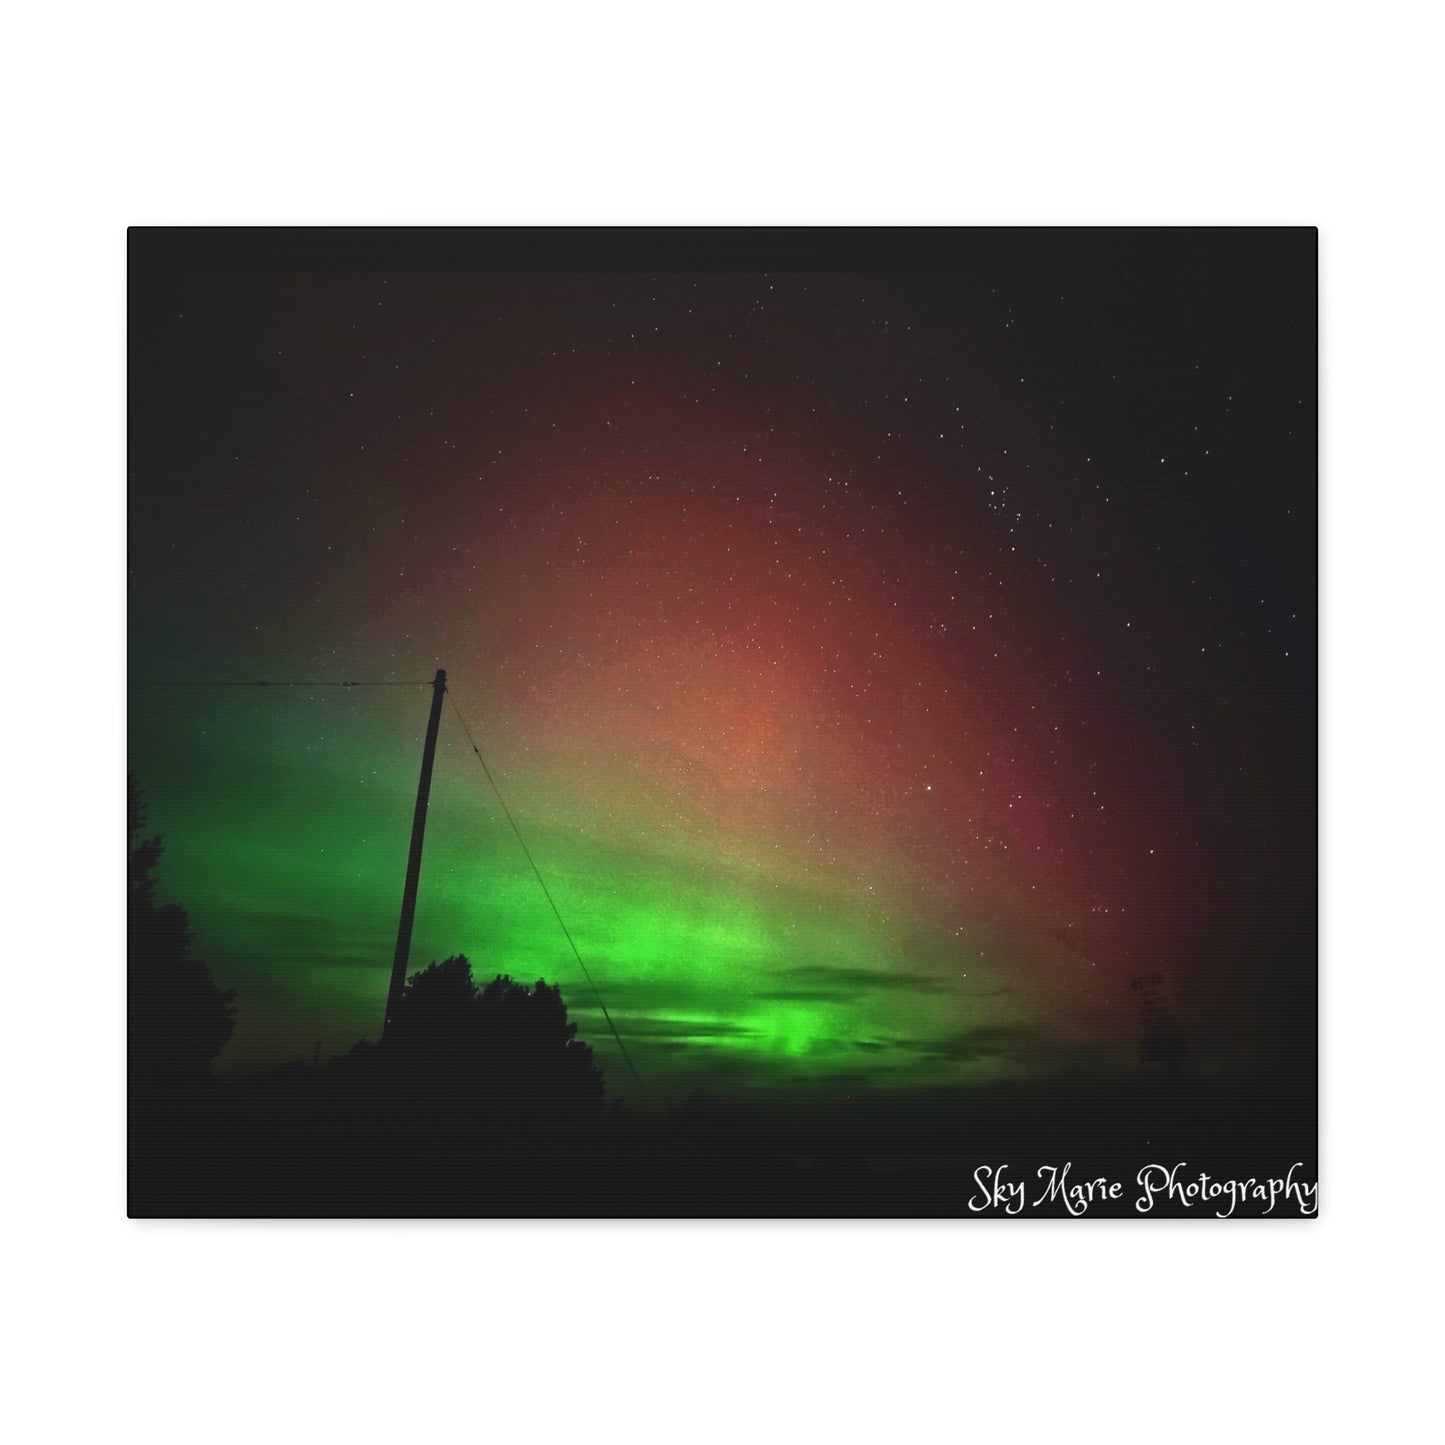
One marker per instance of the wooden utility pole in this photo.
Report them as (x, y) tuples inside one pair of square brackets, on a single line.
[(413, 862)]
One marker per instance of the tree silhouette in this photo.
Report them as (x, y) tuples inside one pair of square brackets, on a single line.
[(505, 1053), (178, 1018)]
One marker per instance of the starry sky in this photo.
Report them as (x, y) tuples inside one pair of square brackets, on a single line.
[(889, 644)]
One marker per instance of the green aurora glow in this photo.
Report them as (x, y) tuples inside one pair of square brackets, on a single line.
[(710, 968)]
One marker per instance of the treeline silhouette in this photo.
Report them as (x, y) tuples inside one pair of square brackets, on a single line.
[(177, 1018)]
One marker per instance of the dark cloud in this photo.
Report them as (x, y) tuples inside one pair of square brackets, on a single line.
[(814, 980), (647, 996), (806, 995), (970, 1045), (665, 1028), (304, 937)]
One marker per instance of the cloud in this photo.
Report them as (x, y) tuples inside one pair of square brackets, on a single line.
[(806, 995), (969, 1046), (826, 983), (640, 1000), (666, 1028)]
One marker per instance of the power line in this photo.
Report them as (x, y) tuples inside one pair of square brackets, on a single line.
[(548, 894)]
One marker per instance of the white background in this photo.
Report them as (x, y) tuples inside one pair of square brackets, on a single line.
[(751, 113)]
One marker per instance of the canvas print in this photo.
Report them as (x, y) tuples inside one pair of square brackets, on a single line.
[(722, 723)]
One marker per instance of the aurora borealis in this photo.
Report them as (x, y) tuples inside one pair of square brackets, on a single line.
[(884, 665)]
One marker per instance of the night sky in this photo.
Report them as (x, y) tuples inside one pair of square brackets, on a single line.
[(889, 644)]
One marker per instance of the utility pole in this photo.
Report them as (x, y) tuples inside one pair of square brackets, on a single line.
[(413, 862)]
